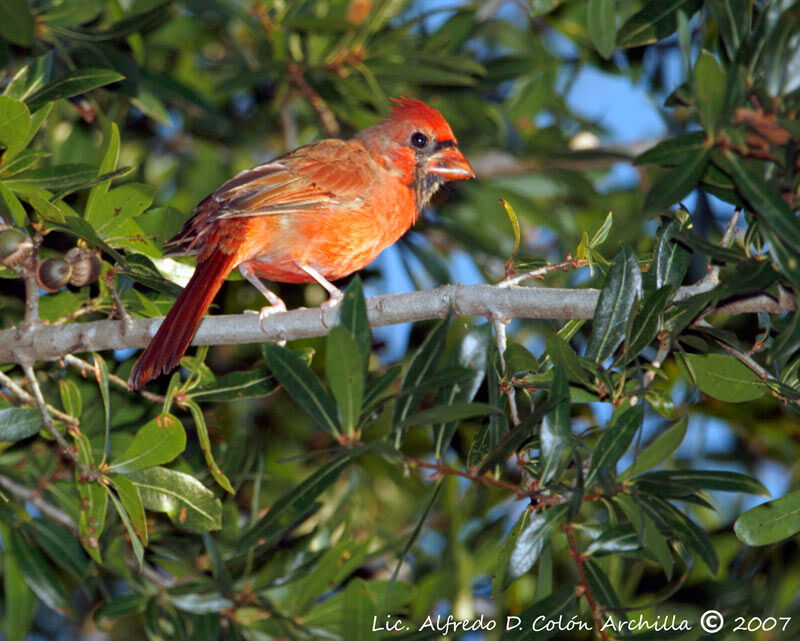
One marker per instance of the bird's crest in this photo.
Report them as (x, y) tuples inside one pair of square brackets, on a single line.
[(417, 111)]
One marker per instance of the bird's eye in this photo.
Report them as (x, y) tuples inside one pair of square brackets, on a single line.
[(419, 140)]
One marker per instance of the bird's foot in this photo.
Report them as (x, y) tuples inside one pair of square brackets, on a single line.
[(270, 310), (333, 301)]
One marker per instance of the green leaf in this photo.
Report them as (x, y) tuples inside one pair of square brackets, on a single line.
[(720, 481), (205, 445), (353, 316), (17, 423), (15, 121), (556, 431), (446, 413), (563, 356), (30, 77), (654, 541), (73, 83), (71, 399), (709, 91), (92, 518), (601, 21), (600, 586), (65, 550), (345, 373), (424, 363), (614, 539), (671, 259), (157, 442), (689, 533), (125, 27), (236, 385), (124, 516), (108, 164), (677, 182), (151, 106), (10, 207), (770, 522), (519, 361), (501, 578), (623, 285), (767, 203), (37, 572), (648, 322), (674, 151), (132, 502), (545, 610), (512, 216), (285, 512), (16, 22), (187, 502), (532, 540), (723, 377), (122, 606), (616, 439), (732, 18), (302, 385), (658, 451), (656, 20), (19, 598)]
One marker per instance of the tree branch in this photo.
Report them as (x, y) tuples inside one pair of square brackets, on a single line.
[(46, 342)]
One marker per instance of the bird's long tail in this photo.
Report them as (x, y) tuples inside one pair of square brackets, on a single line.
[(176, 332)]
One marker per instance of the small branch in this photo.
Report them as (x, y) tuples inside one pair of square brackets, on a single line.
[(579, 559), (26, 398), (326, 117), (541, 272), (35, 498), (31, 286), (57, 515), (664, 348), (53, 342), (451, 471), (62, 443), (88, 369)]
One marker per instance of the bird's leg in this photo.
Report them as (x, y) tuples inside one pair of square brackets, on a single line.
[(276, 305), (336, 294)]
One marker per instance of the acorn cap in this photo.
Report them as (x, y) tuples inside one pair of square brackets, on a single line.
[(85, 266), (15, 246)]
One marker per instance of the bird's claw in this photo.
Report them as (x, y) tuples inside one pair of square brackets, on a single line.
[(265, 312), (332, 302)]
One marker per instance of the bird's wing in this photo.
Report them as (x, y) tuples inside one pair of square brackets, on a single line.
[(316, 177)]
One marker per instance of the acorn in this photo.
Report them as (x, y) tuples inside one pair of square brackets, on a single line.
[(85, 266), (15, 246), (52, 274)]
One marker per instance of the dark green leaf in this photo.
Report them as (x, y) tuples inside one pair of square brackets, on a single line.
[(658, 451), (556, 431), (724, 378), (656, 20), (545, 610), (344, 368), (302, 385), (562, 355), (73, 83), (233, 386), (501, 578), (671, 259), (648, 321), (446, 413), (674, 151), (616, 440), (601, 587), (16, 22), (712, 250), (19, 617), (519, 361), (17, 423), (37, 572), (677, 182), (613, 539), (689, 533), (353, 316), (709, 90), (708, 480), (732, 18), (601, 21), (623, 285), (122, 606), (532, 540), (205, 445), (132, 503), (769, 205), (118, 30), (770, 522), (31, 77), (92, 517), (62, 548), (286, 510)]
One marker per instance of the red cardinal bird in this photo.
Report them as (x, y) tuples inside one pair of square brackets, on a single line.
[(319, 213)]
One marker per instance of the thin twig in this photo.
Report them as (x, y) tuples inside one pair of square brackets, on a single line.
[(326, 117), (26, 398), (575, 553), (541, 272), (47, 420), (31, 286), (451, 471), (499, 323), (87, 368)]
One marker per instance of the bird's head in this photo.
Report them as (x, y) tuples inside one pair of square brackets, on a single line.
[(417, 144)]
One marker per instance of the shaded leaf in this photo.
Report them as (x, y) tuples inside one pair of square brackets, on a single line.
[(17, 423), (556, 431), (723, 377), (73, 83), (616, 439), (658, 451), (770, 522), (345, 373), (157, 442), (601, 21)]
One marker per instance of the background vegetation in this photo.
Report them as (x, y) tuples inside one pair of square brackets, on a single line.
[(590, 469)]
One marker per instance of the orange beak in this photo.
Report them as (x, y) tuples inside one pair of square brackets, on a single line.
[(450, 164)]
